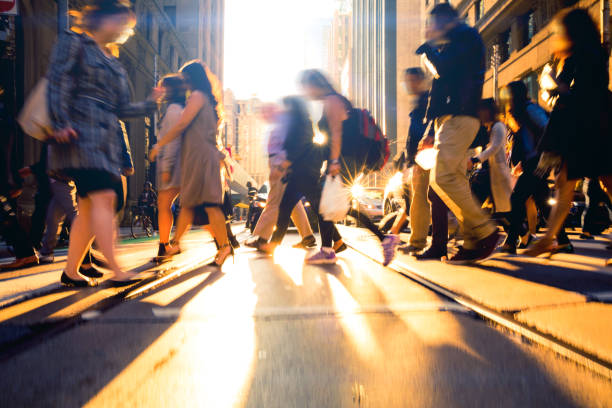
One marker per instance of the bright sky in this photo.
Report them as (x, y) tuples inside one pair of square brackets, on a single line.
[(268, 42)]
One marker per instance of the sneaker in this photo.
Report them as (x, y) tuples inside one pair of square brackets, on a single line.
[(389, 245), (20, 263), (587, 236), (563, 249), (431, 253), (340, 247), (46, 258), (323, 257), (308, 242), (410, 249)]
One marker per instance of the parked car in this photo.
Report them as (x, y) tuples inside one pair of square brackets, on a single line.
[(368, 201)]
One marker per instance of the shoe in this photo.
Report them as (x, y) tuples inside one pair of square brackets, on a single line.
[(340, 246), (431, 253), (255, 242), (508, 249), (46, 259), (120, 284), (389, 245), (563, 249), (234, 242), (586, 236), (323, 257), (609, 247), (99, 262), (487, 246), (66, 280), (20, 263), (90, 272), (463, 257), (222, 256), (529, 241), (165, 252), (308, 242), (539, 247), (410, 249)]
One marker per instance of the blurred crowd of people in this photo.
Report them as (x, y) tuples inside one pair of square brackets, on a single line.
[(495, 151)]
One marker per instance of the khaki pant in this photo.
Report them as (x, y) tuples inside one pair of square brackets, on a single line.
[(454, 135), (267, 220), (420, 210)]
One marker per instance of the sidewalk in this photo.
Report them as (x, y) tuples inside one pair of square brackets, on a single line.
[(568, 297)]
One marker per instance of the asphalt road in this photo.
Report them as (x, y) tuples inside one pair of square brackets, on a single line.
[(274, 333)]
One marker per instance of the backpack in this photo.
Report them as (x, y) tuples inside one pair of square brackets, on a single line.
[(371, 145)]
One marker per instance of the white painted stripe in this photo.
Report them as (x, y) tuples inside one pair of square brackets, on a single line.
[(396, 308)]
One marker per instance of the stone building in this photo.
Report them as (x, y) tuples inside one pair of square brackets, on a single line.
[(522, 30), (168, 33)]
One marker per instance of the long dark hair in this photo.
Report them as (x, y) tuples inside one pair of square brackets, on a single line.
[(517, 97), (299, 116), (175, 89), (201, 78), (490, 106), (316, 79), (581, 30)]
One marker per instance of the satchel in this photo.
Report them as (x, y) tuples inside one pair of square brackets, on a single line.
[(34, 117)]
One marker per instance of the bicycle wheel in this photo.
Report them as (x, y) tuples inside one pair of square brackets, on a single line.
[(136, 227), (147, 226)]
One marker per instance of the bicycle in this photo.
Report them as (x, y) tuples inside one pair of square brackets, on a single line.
[(141, 223)]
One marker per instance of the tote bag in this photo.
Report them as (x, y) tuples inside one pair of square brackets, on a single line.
[(34, 116)]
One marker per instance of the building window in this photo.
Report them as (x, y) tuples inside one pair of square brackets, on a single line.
[(478, 9), (505, 45), (531, 26), (171, 12)]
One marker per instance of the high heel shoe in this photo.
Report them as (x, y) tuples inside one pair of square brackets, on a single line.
[(539, 247), (224, 252)]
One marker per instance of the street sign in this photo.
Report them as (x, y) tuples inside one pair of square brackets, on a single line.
[(8, 7)]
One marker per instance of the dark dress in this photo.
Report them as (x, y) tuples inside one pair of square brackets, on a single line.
[(579, 126)]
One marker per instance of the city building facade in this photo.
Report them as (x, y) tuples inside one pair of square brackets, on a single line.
[(521, 30), (168, 33)]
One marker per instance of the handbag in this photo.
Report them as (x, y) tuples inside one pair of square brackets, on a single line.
[(34, 117), (335, 200)]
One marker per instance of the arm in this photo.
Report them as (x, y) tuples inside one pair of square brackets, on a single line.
[(496, 142), (126, 152), (446, 62), (130, 110), (194, 105), (62, 66), (173, 115), (336, 114)]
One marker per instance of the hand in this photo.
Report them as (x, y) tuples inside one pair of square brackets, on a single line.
[(157, 93), (548, 161), (426, 142), (128, 171), (333, 169), (517, 170), (64, 136), (25, 172), (154, 152)]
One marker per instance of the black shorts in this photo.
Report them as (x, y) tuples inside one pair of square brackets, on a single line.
[(91, 180)]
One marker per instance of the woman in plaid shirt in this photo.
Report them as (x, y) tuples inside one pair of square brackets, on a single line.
[(87, 95)]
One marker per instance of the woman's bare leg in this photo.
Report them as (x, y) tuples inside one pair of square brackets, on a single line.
[(185, 219), (103, 226), (165, 218), (217, 225), (80, 238), (564, 194)]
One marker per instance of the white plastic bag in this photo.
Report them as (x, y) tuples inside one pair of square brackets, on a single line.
[(335, 200)]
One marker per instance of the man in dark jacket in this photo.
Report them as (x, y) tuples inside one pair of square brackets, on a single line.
[(455, 55)]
